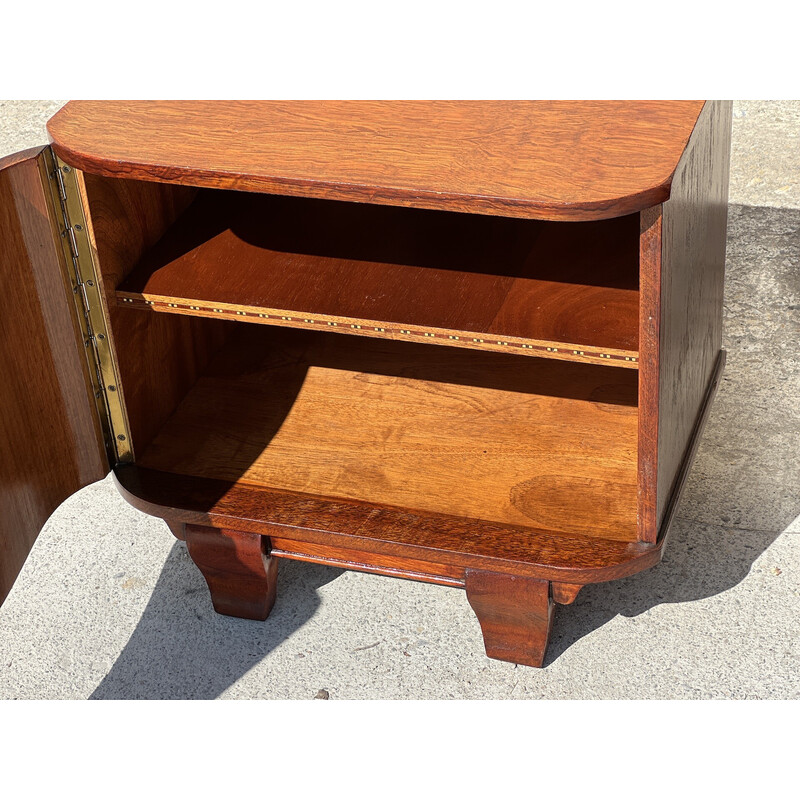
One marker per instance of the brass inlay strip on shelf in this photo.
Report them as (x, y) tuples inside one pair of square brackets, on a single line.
[(569, 352)]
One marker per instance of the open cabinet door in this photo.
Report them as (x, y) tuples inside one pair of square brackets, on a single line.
[(51, 442)]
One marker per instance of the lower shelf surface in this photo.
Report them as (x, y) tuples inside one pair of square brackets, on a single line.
[(504, 439)]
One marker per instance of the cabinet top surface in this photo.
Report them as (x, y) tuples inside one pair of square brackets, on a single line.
[(561, 160)]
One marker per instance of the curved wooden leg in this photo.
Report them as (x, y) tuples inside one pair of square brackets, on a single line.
[(515, 614), (177, 529), (565, 593), (238, 570)]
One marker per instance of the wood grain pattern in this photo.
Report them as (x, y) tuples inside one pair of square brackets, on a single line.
[(564, 160), (333, 525), (50, 440), (393, 566), (565, 593), (158, 357), (241, 575), (493, 437), (692, 274), (12, 159), (691, 448), (515, 614), (650, 343), (562, 290)]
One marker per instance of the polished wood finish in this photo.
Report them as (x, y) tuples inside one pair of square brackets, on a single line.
[(565, 593), (22, 157), (559, 290), (364, 560), (50, 440), (692, 273), (543, 160), (649, 337), (178, 529), (396, 542), (682, 268), (241, 575), (515, 615), (591, 234), (691, 448), (158, 357), (485, 436), (400, 535)]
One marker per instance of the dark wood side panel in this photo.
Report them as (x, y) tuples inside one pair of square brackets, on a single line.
[(50, 442), (159, 356), (692, 270)]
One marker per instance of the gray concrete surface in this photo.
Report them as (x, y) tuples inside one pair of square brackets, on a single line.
[(109, 605)]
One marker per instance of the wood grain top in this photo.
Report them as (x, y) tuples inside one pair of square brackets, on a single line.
[(559, 160)]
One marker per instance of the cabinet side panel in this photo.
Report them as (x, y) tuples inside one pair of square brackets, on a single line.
[(650, 232), (50, 441), (159, 356), (693, 267)]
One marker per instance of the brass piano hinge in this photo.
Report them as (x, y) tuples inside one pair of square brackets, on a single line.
[(82, 268)]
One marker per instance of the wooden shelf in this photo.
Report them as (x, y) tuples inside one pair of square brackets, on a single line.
[(538, 444), (558, 290)]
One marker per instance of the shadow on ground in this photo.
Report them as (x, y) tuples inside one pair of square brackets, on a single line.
[(700, 561), (182, 649)]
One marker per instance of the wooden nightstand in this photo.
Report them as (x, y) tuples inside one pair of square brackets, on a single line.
[(470, 343)]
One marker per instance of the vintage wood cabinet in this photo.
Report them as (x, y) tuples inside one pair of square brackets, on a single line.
[(471, 343)]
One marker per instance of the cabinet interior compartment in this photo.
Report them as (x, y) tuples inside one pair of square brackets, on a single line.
[(564, 290), (505, 442), (501, 438)]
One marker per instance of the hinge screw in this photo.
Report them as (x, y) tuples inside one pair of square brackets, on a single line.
[(112, 388), (66, 169), (121, 437), (100, 336), (90, 283), (77, 227)]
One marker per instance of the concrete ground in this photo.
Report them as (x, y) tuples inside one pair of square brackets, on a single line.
[(109, 605)]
